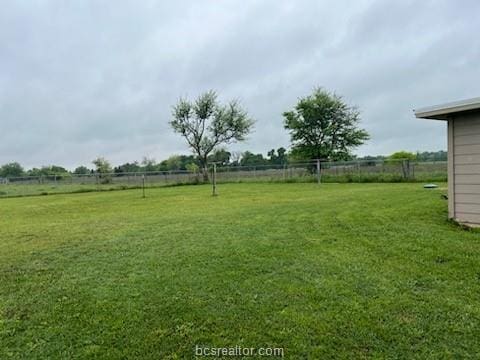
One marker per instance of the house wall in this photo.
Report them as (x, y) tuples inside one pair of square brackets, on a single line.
[(464, 168)]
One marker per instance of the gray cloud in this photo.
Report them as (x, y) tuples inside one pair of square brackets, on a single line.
[(82, 79)]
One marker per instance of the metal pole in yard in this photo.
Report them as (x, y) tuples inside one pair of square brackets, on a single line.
[(143, 185), (318, 171), (214, 180)]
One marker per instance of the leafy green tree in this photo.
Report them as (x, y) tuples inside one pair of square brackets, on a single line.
[(163, 165), (127, 168), (220, 156), (280, 157), (272, 156), (370, 160), (206, 124), (432, 156), (102, 165), (149, 164), (402, 159), (57, 169), (81, 170), (49, 171), (13, 169), (402, 155), (103, 169), (251, 159), (192, 167), (323, 126), (174, 162), (34, 172), (186, 160)]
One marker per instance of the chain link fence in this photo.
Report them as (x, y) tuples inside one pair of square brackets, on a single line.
[(346, 171), (314, 171)]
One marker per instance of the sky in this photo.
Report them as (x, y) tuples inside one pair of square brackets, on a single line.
[(82, 79)]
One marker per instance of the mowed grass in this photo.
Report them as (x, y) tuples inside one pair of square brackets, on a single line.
[(14, 190), (329, 271)]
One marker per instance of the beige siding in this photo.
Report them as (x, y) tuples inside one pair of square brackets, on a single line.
[(467, 124), (467, 208), (470, 139), (468, 198), (462, 129), (467, 218), (464, 184), (467, 189), (466, 159), (462, 169), (471, 179), (451, 172), (471, 149)]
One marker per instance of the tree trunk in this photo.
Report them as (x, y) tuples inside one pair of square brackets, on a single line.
[(204, 167), (205, 173)]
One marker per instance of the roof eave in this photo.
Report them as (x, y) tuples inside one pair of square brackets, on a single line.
[(431, 115), (446, 111)]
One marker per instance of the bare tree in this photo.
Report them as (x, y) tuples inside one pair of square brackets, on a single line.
[(205, 124)]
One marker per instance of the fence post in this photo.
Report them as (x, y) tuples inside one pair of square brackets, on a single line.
[(214, 179), (143, 185), (406, 169), (318, 171)]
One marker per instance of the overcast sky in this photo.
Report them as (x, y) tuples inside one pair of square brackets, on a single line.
[(81, 79)]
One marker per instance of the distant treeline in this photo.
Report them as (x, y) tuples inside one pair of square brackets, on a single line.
[(425, 156), (189, 162)]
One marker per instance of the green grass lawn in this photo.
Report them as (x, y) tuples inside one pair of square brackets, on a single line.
[(336, 270)]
